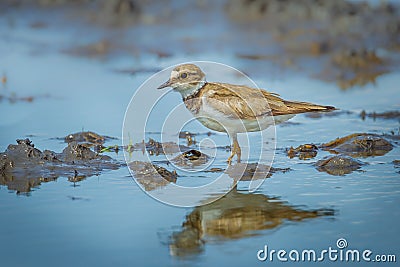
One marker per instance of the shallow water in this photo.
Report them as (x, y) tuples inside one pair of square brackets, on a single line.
[(108, 220)]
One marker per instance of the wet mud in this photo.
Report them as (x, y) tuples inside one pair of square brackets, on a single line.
[(338, 165), (306, 151), (346, 149), (155, 148), (23, 166), (151, 176), (359, 145), (86, 137), (191, 158)]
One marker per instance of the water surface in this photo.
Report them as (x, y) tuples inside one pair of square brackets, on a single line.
[(107, 219)]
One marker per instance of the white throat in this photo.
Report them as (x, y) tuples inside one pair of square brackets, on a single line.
[(187, 91)]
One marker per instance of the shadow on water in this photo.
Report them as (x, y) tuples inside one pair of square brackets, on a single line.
[(234, 216)]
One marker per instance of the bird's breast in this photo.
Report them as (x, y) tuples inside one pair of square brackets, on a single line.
[(193, 105)]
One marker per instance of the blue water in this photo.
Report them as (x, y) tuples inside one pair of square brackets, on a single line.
[(108, 220)]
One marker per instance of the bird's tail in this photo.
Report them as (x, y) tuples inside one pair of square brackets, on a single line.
[(301, 107)]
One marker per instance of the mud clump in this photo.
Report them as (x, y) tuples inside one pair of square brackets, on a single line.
[(306, 151), (191, 158), (338, 165), (23, 166), (89, 137), (75, 151), (155, 148), (359, 145), (92, 139), (152, 176)]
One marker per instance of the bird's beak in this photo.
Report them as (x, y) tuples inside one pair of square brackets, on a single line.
[(166, 84)]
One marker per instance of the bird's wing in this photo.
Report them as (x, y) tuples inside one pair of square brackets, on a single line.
[(248, 103), (239, 101)]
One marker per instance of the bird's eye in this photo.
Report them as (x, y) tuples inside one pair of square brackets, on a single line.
[(184, 75)]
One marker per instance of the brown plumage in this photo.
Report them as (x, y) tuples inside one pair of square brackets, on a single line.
[(233, 108), (248, 103)]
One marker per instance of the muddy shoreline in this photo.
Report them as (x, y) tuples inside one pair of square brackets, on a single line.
[(23, 166)]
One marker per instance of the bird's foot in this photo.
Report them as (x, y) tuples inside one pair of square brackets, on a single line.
[(229, 160)]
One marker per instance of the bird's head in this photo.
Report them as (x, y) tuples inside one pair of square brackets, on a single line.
[(187, 79)]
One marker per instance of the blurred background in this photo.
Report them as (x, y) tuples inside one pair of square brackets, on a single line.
[(68, 66)]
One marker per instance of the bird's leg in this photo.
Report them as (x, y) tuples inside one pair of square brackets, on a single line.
[(232, 149), (238, 150), (235, 149)]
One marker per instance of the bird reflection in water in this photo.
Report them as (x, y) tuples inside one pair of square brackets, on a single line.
[(235, 216)]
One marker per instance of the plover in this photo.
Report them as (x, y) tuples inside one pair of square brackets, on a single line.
[(232, 108)]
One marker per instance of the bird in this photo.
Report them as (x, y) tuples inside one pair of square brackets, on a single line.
[(231, 108)]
